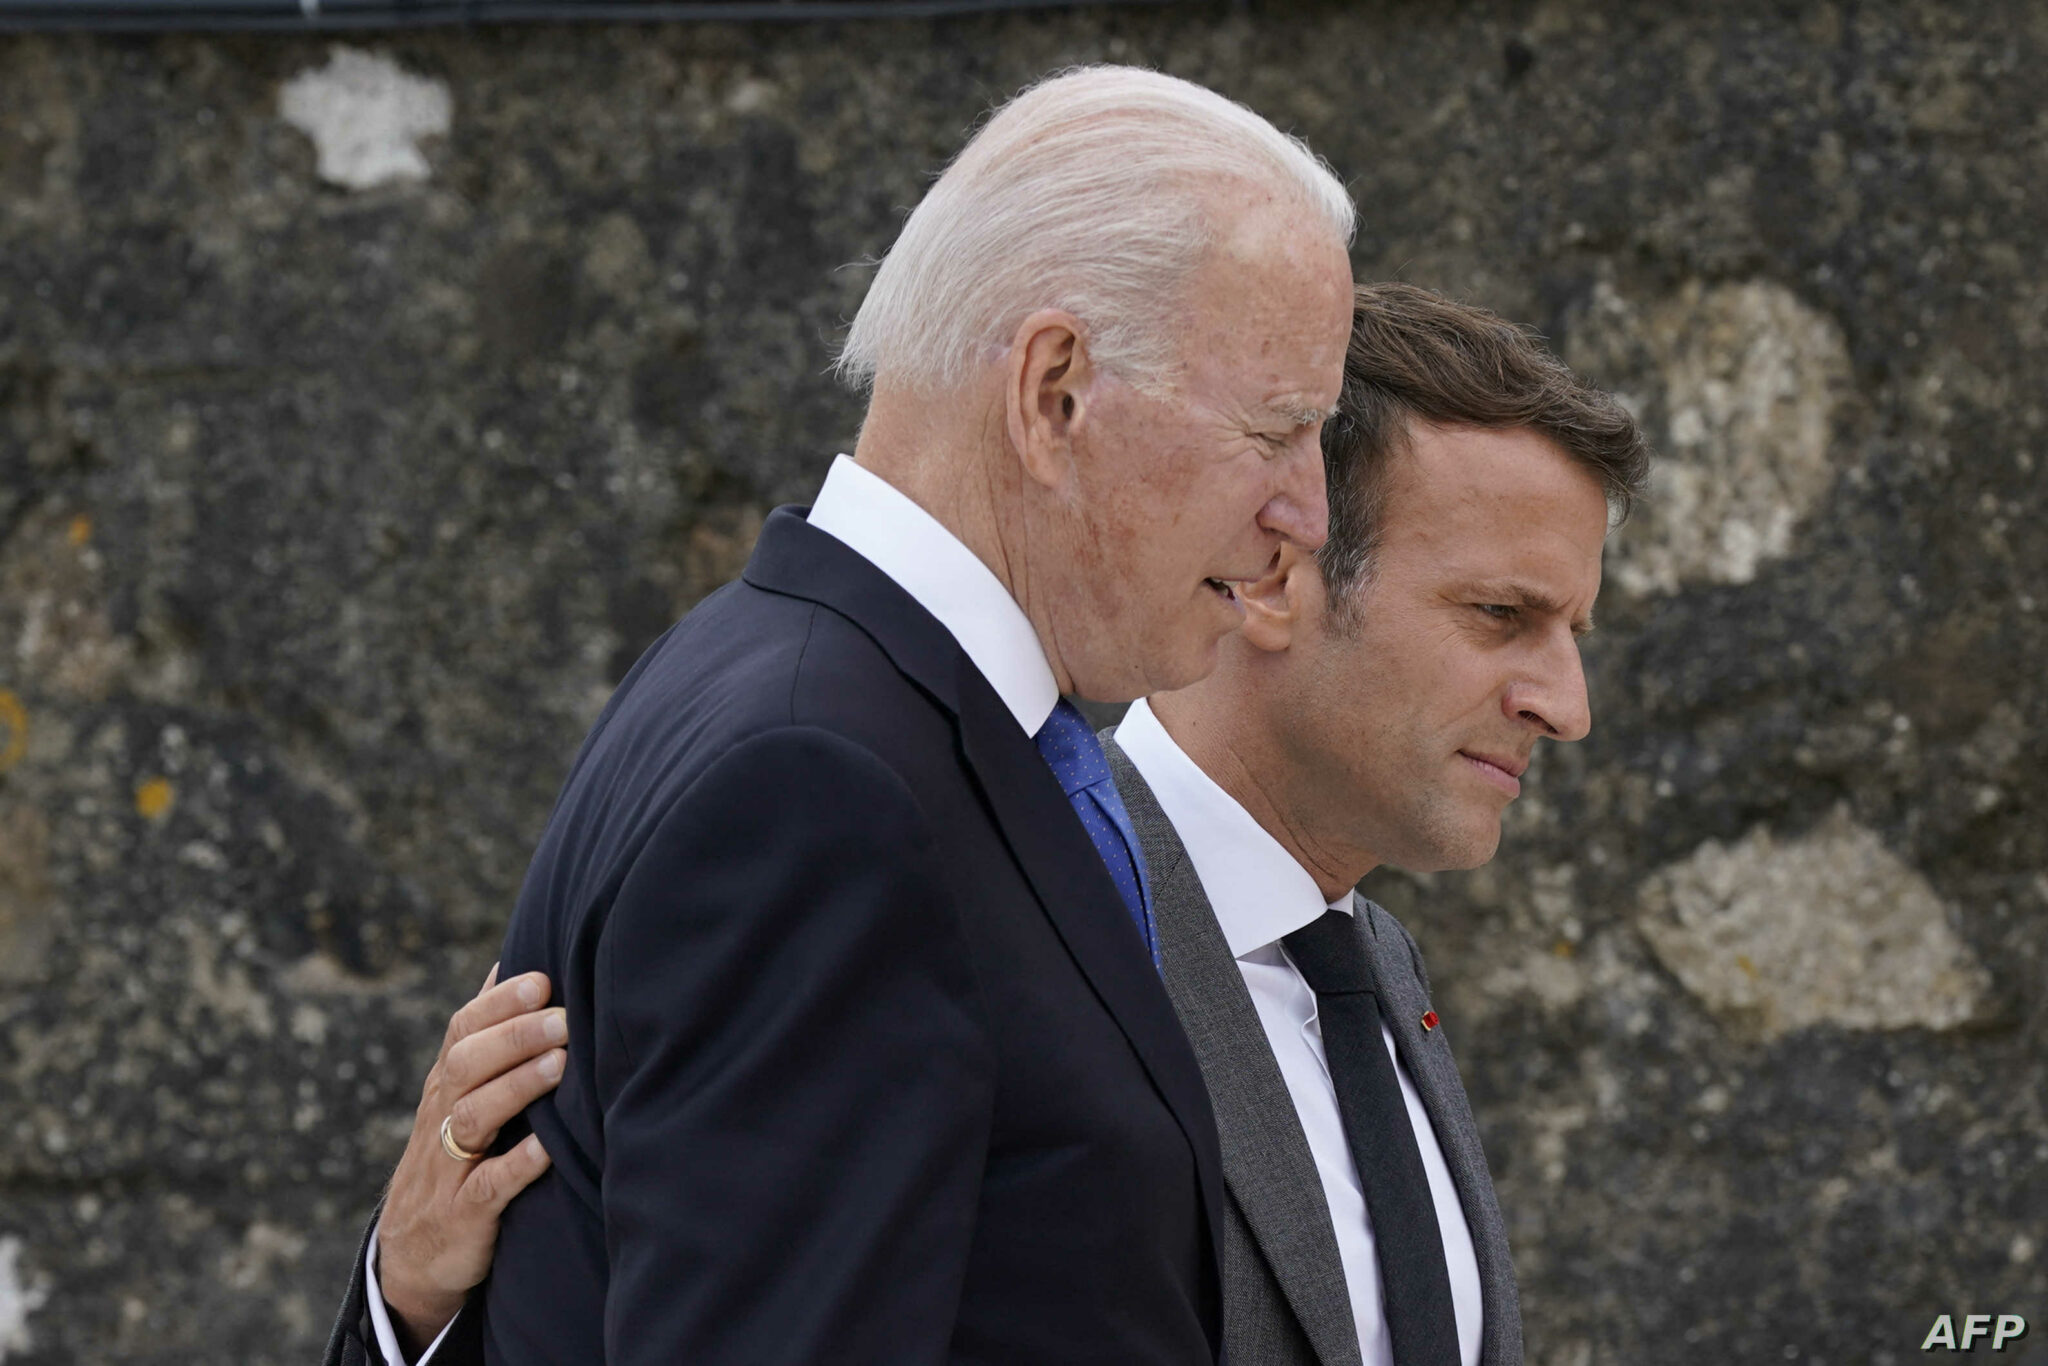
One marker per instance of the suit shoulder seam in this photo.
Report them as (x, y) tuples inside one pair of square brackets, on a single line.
[(796, 674)]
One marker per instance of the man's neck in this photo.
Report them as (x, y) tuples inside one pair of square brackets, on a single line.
[(1219, 742), (946, 468)]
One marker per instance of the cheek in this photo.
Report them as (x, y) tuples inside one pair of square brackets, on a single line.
[(1170, 452), (1389, 695), (1473, 685), (1128, 476), (1348, 695), (1205, 512), (1159, 528)]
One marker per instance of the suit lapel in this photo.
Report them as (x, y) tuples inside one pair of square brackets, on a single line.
[(1428, 1058), (1082, 902), (1073, 887), (792, 559), (1266, 1160)]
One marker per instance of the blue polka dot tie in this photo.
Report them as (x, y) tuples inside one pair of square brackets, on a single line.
[(1075, 755)]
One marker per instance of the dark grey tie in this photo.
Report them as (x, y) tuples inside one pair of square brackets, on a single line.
[(1420, 1317)]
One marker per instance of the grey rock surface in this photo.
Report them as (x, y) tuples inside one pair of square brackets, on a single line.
[(364, 413)]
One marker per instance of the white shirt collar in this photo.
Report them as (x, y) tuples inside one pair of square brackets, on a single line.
[(1258, 891), (881, 524)]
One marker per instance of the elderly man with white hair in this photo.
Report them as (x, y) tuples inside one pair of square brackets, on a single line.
[(868, 1055)]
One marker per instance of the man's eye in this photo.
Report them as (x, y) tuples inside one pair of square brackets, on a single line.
[(1499, 611)]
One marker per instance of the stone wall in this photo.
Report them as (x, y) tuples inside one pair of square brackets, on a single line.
[(365, 410)]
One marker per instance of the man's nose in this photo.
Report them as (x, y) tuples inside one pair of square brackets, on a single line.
[(1552, 695), (1299, 510)]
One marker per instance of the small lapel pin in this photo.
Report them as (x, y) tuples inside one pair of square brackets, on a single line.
[(1428, 1020)]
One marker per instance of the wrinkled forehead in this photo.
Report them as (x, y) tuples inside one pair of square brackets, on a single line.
[(1478, 501)]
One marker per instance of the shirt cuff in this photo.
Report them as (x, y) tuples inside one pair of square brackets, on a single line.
[(380, 1317)]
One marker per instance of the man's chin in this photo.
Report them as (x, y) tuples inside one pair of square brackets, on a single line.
[(1480, 848), (1131, 679), (1189, 665), (1454, 851)]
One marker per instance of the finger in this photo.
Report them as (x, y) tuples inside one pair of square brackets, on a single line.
[(489, 981), (528, 991), (478, 1115), (490, 1052), (492, 1184)]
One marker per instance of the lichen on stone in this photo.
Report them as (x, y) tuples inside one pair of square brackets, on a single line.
[(1831, 927), (366, 115)]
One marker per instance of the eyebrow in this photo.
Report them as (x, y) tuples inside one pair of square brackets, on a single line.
[(1530, 600), (1299, 413)]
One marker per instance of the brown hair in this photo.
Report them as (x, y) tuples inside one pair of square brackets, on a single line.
[(1416, 355)]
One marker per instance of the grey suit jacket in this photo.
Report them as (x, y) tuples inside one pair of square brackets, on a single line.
[(1284, 1298)]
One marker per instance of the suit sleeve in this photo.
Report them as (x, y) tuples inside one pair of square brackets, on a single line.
[(355, 1340), (352, 1343), (795, 1079), (457, 1344)]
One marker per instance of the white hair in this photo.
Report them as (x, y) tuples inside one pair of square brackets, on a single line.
[(1092, 191)]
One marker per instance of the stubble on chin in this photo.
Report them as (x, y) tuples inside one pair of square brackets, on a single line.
[(1452, 835)]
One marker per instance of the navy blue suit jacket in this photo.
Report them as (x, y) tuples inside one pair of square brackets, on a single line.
[(867, 1063)]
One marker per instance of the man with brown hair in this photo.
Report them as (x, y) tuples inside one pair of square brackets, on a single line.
[(1379, 706)]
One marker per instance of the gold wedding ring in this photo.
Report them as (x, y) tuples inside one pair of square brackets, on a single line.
[(451, 1147)]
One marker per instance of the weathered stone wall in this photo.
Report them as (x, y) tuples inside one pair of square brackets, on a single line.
[(363, 414)]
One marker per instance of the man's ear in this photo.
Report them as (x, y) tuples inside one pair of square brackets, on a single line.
[(1276, 603), (1045, 392)]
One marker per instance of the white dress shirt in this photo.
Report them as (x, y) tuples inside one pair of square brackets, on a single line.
[(1260, 894), (948, 580)]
